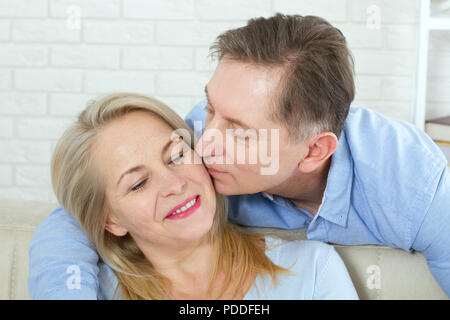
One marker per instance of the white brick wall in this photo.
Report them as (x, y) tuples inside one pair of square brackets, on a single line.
[(159, 10), (85, 56), (5, 79), (23, 8), (51, 63), (45, 30), (119, 32)]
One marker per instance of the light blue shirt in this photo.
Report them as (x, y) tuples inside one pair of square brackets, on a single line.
[(388, 184), (318, 273)]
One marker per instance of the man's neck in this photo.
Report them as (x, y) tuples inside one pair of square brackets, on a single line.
[(305, 190)]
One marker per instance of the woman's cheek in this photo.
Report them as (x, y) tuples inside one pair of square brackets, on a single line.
[(139, 211), (205, 177)]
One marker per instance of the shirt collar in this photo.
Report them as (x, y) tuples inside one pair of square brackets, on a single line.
[(267, 195), (336, 200)]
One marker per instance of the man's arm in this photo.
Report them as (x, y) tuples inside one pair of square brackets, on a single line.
[(433, 237), (63, 261)]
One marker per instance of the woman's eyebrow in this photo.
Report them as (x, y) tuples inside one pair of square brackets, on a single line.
[(141, 166), (131, 170)]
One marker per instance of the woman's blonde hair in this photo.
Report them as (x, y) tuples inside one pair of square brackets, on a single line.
[(80, 191)]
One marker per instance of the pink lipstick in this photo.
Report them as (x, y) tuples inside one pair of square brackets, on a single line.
[(184, 209)]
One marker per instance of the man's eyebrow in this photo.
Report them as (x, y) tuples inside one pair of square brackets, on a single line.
[(141, 166), (236, 121), (167, 145), (206, 92)]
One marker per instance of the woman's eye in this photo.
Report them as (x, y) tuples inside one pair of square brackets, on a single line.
[(139, 186)]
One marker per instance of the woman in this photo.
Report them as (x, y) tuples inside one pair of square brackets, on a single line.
[(147, 203)]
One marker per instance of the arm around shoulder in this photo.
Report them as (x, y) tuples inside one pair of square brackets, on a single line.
[(63, 262)]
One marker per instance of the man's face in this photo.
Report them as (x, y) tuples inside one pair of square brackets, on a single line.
[(244, 150)]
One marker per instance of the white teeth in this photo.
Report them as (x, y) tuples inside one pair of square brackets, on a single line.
[(186, 206)]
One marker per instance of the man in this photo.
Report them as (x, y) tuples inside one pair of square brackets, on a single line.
[(350, 176)]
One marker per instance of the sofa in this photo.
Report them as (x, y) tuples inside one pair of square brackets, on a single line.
[(377, 272)]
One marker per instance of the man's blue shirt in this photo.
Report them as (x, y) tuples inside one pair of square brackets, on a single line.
[(388, 184)]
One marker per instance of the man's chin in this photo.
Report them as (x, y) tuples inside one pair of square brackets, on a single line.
[(231, 190), (226, 189), (223, 189)]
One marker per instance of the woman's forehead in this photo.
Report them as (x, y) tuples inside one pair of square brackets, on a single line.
[(135, 125), (133, 134)]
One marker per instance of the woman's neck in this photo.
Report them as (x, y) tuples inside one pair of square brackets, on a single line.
[(188, 267), (188, 270)]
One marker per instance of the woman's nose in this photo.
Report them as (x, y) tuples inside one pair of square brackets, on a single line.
[(172, 184)]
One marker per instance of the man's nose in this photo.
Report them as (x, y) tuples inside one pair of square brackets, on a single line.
[(211, 142)]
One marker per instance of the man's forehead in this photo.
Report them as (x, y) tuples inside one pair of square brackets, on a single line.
[(245, 81)]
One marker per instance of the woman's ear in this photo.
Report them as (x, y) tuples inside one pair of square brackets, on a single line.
[(320, 149), (114, 227)]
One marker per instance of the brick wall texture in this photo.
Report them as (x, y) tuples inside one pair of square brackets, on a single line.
[(57, 54)]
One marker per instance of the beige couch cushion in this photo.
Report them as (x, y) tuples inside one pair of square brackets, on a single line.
[(18, 219), (377, 272)]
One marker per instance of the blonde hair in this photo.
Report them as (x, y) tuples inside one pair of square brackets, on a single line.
[(80, 192)]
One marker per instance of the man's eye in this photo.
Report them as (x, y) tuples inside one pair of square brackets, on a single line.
[(139, 186), (177, 159), (209, 110), (237, 131)]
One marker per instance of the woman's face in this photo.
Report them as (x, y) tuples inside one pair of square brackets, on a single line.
[(145, 188)]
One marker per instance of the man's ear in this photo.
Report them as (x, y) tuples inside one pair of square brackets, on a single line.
[(114, 227), (321, 148)]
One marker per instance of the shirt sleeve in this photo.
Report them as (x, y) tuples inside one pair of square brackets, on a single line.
[(334, 282), (196, 118), (63, 262), (433, 236)]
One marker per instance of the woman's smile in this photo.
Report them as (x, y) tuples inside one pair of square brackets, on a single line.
[(185, 209)]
